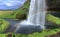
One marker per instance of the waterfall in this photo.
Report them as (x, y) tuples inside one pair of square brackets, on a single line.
[(37, 13)]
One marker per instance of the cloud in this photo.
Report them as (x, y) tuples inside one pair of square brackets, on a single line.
[(13, 3)]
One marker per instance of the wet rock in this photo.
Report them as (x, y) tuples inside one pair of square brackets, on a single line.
[(53, 5), (21, 16), (28, 29), (56, 14)]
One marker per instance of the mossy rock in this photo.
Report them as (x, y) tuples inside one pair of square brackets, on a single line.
[(21, 16)]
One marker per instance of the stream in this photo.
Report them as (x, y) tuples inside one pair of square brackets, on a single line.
[(13, 25)]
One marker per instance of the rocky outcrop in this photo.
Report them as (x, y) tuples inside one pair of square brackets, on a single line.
[(53, 5)]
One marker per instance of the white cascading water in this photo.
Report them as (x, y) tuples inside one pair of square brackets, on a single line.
[(36, 14)]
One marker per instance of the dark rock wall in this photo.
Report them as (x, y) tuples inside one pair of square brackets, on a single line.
[(53, 5)]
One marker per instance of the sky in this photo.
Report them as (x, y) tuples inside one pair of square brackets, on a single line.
[(11, 4)]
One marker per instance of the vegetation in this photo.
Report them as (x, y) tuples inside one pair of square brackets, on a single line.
[(15, 13), (3, 25), (53, 19), (2, 35)]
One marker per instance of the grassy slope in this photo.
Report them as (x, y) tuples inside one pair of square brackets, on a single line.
[(23, 10), (5, 14), (53, 19), (12, 14), (3, 25), (2, 35)]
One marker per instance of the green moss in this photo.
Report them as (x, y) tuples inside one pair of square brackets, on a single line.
[(53, 19)]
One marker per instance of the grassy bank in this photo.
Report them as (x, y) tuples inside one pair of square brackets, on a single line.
[(3, 25), (53, 19)]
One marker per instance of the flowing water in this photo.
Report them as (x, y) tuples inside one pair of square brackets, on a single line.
[(36, 14)]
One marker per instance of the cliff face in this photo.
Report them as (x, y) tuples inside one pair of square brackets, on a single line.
[(53, 4)]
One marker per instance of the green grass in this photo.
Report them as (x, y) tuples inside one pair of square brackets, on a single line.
[(53, 19), (3, 25), (2, 35), (5, 14)]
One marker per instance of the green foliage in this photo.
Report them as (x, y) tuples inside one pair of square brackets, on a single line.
[(3, 25)]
